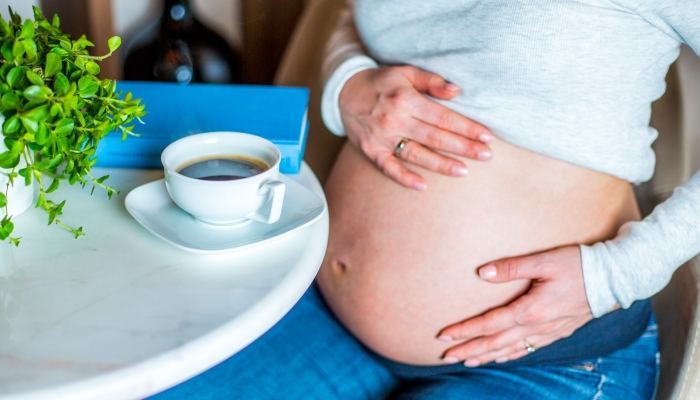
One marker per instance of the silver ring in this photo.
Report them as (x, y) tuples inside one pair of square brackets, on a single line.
[(400, 146), (530, 348)]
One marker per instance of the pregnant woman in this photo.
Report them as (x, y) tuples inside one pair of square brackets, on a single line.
[(480, 131)]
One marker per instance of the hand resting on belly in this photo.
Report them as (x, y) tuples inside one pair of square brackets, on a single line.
[(380, 107)]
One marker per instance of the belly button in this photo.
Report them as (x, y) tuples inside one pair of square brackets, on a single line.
[(338, 266)]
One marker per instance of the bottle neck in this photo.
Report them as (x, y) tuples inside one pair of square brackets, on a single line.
[(177, 16)]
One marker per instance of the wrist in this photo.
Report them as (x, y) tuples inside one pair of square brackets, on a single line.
[(330, 101)]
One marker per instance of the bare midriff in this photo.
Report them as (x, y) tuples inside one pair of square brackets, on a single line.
[(401, 264)]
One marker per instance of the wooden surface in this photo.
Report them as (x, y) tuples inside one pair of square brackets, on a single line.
[(92, 18), (267, 27)]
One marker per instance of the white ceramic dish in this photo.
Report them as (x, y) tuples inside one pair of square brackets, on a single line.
[(153, 208)]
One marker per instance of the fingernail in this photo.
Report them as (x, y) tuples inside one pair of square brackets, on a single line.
[(488, 272), (501, 360), (451, 87), (485, 155), (450, 360), (458, 170), (485, 138), (445, 338), (472, 362), (420, 186)]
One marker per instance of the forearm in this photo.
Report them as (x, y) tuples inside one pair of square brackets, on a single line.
[(640, 261)]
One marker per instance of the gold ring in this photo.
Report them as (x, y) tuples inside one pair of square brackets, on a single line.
[(530, 348), (400, 146)]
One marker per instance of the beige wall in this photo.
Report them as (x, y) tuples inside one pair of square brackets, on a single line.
[(23, 7)]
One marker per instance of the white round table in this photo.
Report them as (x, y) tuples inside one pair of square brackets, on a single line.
[(119, 313)]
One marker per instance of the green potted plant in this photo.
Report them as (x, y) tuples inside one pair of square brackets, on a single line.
[(56, 110)]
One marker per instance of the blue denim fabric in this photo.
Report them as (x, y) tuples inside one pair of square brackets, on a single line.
[(309, 355)]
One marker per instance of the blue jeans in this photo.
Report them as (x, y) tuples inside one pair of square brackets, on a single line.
[(310, 355)]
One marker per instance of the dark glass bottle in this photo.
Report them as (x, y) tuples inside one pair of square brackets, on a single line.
[(182, 49)]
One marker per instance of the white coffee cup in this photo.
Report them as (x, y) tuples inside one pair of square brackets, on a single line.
[(225, 202)]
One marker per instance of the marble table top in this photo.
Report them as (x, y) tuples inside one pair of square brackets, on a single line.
[(119, 313)]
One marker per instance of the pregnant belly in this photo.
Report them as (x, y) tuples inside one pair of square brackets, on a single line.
[(401, 264)]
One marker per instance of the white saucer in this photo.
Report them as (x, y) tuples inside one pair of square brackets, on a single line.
[(153, 208)]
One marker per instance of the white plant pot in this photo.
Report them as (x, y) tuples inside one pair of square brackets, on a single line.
[(19, 196)]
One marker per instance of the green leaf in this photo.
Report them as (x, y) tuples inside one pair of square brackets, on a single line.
[(29, 124), (15, 18), (80, 117), (37, 13), (43, 164), (53, 187), (6, 230), (14, 77), (54, 65), (56, 23), (82, 43), (9, 142), (87, 87), (42, 197), (37, 94), (4, 69), (92, 68), (64, 127), (17, 147), (3, 200), (18, 49), (61, 84), (11, 124), (71, 91), (80, 63), (56, 161), (34, 78), (10, 101), (27, 30), (30, 49), (75, 75), (31, 119), (114, 42), (63, 144), (37, 114), (59, 51), (42, 135), (55, 109), (9, 160), (6, 51), (4, 26)]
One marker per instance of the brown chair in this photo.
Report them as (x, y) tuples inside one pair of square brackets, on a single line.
[(301, 66), (678, 306)]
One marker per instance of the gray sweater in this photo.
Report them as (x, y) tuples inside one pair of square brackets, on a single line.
[(570, 79)]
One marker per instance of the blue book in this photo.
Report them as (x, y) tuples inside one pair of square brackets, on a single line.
[(175, 111)]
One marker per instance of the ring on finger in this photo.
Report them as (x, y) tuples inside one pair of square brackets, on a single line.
[(400, 146), (530, 348)]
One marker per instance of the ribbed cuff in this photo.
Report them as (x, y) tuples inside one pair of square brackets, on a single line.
[(330, 109), (599, 292)]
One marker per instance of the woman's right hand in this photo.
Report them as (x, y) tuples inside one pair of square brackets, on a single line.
[(381, 107)]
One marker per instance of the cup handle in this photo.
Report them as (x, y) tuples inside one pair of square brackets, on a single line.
[(276, 189)]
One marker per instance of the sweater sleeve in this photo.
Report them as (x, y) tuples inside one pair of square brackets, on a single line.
[(344, 57), (640, 261)]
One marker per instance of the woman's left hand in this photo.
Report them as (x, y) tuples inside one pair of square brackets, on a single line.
[(553, 308)]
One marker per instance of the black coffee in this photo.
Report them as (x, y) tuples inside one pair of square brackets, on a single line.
[(223, 168)]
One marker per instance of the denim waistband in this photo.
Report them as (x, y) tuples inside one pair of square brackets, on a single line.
[(599, 337)]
